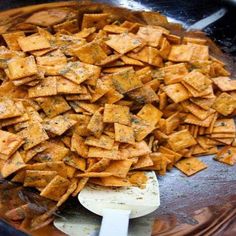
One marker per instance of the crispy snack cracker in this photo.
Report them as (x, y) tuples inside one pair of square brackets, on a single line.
[(190, 166)]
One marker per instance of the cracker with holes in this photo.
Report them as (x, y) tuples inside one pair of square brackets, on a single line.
[(53, 106), (58, 125), (11, 39), (181, 53), (190, 166), (96, 124), (177, 92), (33, 42), (46, 87), (104, 141), (33, 135), (78, 72), (21, 67), (197, 80), (94, 20), (224, 104), (123, 43), (141, 128), (116, 114), (12, 165), (55, 188), (91, 53), (65, 86), (8, 108), (224, 83), (150, 114), (125, 81), (124, 134), (224, 126), (151, 35), (148, 55), (9, 142), (181, 139), (38, 178), (174, 73)]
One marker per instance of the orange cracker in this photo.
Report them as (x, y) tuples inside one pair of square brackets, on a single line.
[(55, 188), (123, 43), (33, 42), (181, 53), (96, 124), (174, 73), (180, 140), (13, 164), (119, 168), (176, 92), (190, 166), (191, 119), (224, 83), (21, 67), (116, 114), (11, 39), (224, 104), (197, 80), (224, 126), (33, 135), (46, 87), (150, 114), (9, 142), (126, 80), (124, 134)]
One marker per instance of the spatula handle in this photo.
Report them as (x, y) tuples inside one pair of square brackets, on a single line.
[(115, 222)]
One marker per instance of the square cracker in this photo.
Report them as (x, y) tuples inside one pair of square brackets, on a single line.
[(38, 178), (224, 104), (141, 127), (9, 142), (91, 53), (174, 73), (177, 92), (11, 39), (119, 168), (150, 34), (150, 114), (123, 43), (190, 166), (33, 135), (181, 53), (56, 188), (78, 72), (65, 86), (8, 108), (149, 55), (96, 124), (33, 42), (13, 164), (200, 52), (103, 141), (94, 20), (125, 81), (78, 145), (116, 114), (124, 134), (21, 67), (46, 87), (197, 80), (181, 139), (191, 119), (53, 106), (58, 125), (224, 126), (224, 83)]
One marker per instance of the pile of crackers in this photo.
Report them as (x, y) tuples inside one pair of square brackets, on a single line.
[(103, 102)]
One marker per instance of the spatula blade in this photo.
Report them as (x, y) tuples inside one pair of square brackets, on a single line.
[(140, 201)]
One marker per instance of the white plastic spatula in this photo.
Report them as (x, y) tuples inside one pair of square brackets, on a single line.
[(118, 205)]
